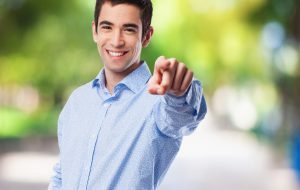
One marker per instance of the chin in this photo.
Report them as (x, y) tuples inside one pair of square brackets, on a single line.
[(116, 69)]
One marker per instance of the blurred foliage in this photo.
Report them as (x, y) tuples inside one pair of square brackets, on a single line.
[(48, 45)]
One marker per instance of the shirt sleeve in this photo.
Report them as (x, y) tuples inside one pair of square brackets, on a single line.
[(180, 116), (56, 179), (56, 182)]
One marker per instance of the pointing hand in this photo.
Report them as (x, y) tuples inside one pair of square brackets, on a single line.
[(170, 76)]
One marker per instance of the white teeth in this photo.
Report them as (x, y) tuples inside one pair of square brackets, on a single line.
[(116, 54)]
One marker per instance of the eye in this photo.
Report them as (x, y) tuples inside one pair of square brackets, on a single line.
[(130, 30), (105, 27)]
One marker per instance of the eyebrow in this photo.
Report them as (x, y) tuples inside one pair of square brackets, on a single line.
[(131, 25), (105, 23)]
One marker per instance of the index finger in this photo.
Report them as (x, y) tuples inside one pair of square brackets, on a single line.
[(161, 64)]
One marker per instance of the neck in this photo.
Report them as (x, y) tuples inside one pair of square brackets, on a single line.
[(112, 81), (113, 78)]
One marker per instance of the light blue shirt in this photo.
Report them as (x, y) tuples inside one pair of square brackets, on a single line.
[(124, 141)]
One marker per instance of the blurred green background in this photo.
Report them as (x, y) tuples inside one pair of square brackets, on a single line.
[(245, 52)]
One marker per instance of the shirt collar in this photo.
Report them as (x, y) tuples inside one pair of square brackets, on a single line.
[(134, 81), (137, 78), (99, 81)]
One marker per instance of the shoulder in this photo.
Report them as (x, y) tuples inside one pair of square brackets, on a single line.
[(83, 90), (81, 93)]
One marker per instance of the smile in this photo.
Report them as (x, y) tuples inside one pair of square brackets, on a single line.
[(116, 53)]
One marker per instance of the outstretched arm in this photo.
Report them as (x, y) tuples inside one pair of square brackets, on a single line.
[(182, 104)]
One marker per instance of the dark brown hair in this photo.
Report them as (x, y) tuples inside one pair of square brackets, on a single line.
[(144, 5)]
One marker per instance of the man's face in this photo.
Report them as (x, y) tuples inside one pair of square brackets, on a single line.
[(119, 38)]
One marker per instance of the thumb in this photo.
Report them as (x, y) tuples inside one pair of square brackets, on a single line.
[(153, 86)]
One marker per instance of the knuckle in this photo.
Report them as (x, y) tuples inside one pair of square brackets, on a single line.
[(182, 65), (183, 89), (161, 57), (172, 59), (189, 73), (164, 84)]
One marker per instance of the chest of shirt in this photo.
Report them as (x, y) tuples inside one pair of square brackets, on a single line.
[(110, 121)]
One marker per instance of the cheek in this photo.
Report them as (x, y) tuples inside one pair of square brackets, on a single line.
[(138, 46), (101, 50), (100, 44), (101, 39)]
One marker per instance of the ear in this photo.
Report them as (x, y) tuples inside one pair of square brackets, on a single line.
[(147, 37), (95, 34)]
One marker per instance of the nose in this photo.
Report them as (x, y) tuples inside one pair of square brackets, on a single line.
[(117, 40)]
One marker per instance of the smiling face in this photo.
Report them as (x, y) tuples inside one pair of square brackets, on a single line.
[(119, 38)]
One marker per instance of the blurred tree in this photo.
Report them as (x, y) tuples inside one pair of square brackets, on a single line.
[(285, 65), (48, 44), (287, 14), (38, 38), (43, 44), (213, 38)]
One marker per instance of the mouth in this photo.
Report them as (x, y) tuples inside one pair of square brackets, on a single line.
[(116, 53)]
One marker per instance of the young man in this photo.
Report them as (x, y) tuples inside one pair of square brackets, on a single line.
[(123, 129)]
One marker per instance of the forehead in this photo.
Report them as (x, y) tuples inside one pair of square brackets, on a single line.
[(120, 13)]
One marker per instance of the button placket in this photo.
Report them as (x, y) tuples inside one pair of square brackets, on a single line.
[(91, 148)]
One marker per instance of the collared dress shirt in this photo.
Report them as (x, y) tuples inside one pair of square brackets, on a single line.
[(125, 140)]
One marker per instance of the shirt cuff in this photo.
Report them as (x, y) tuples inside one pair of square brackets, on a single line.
[(173, 100), (193, 97)]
